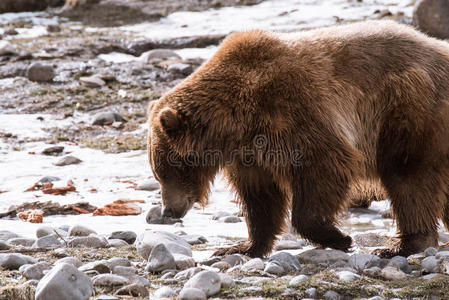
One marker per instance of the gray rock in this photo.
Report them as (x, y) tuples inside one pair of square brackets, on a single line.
[(298, 280), (19, 241), (164, 292), (40, 72), (118, 261), (124, 271), (401, 263), (222, 265), (376, 298), (4, 245), (221, 214), (373, 271), (234, 260), (68, 160), (360, 261), (64, 282), (288, 244), (430, 251), (80, 230), (93, 81), (226, 281), (36, 271), (48, 241), (175, 244), (154, 216), (430, 264), (195, 239), (255, 264), (311, 293), (392, 273), (289, 262), (430, 276), (53, 151), (150, 185), (134, 290), (159, 54), (180, 68), (187, 274), (442, 255), (100, 266), (230, 219), (13, 261), (369, 239), (107, 118), (192, 294), (70, 260), (6, 48), (348, 276), (432, 17), (160, 259), (117, 243), (275, 268), (46, 179), (89, 241), (331, 295), (183, 262), (109, 280), (207, 281), (316, 256), (127, 236), (43, 231), (6, 235)]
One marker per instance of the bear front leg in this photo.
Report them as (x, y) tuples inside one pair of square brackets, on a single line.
[(265, 208)]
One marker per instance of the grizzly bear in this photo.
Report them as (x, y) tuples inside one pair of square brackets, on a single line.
[(294, 120)]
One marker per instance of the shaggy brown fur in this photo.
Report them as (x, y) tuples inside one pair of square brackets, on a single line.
[(366, 101), (363, 192)]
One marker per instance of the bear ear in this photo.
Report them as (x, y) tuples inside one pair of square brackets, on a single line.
[(170, 121)]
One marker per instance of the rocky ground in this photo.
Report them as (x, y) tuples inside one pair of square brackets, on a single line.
[(73, 101)]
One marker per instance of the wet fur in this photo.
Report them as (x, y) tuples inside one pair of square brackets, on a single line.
[(366, 102)]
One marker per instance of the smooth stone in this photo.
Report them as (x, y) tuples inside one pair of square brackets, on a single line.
[(44, 231), (331, 295), (6, 48), (4, 245), (401, 263), (70, 260), (195, 239), (124, 271), (36, 271), (100, 266), (370, 239), (430, 264), (149, 239), (89, 241), (183, 262), (432, 17), (311, 293), (234, 259), (430, 276), (442, 255), (431, 251), (6, 235), (92, 81), (222, 265), (109, 280), (392, 273), (316, 256), (230, 219), (68, 160), (180, 68), (359, 261), (61, 252), (373, 271), (274, 268), (106, 297), (64, 282), (287, 245), (118, 262), (289, 262), (117, 243), (80, 230), (348, 276), (221, 214), (226, 281), (46, 179), (39, 72), (164, 292), (207, 281), (53, 151), (47, 241), (160, 54), (192, 294), (127, 236), (187, 274), (150, 185), (20, 241), (160, 259), (154, 215), (13, 261), (107, 118), (298, 280), (255, 264), (134, 290)]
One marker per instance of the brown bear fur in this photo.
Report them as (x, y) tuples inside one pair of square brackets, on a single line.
[(341, 105)]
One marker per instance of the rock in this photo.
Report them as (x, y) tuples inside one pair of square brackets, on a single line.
[(274, 268), (10, 31), (289, 262), (150, 185), (89, 241), (234, 259), (48, 241), (54, 151), (187, 274), (4, 245), (61, 252), (19, 241), (373, 271), (317, 256), (6, 48), (392, 273), (69, 260), (53, 28), (164, 292), (311, 293), (226, 281), (230, 219), (430, 264), (68, 160), (207, 281), (220, 215), (80, 230), (160, 259), (430, 276), (192, 294), (159, 54), (175, 244), (288, 244), (401, 263), (13, 261), (255, 264), (194, 239), (430, 251), (64, 282), (36, 271), (40, 72), (442, 254), (124, 271), (298, 280), (360, 261), (222, 265), (127, 236), (6, 235), (46, 179), (370, 239), (432, 17), (118, 262), (134, 290), (100, 266), (154, 216), (93, 81), (109, 280), (183, 262), (331, 295), (107, 118), (117, 243), (183, 69), (347, 276), (44, 231)]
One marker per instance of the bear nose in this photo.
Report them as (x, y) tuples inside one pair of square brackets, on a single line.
[(166, 212)]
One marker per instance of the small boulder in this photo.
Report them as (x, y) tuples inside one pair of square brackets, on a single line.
[(80, 230), (107, 118), (127, 236), (392, 273), (317, 256), (68, 160), (93, 81), (149, 239), (207, 281), (40, 72), (192, 294), (432, 17), (13, 261), (109, 280), (160, 259), (150, 185)]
